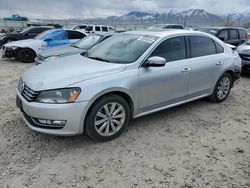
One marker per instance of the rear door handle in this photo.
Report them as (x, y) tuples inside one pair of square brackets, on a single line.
[(186, 70), (219, 63)]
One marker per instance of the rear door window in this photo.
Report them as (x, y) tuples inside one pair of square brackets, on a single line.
[(97, 28), (201, 46), (75, 35), (233, 34), (104, 29), (243, 34)]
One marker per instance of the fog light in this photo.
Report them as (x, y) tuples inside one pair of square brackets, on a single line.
[(45, 122)]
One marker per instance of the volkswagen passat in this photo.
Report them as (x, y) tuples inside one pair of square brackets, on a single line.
[(126, 76)]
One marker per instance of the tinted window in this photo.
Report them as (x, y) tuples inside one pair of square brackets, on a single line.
[(104, 29), (233, 34), (171, 49), (223, 34), (35, 31), (177, 27), (243, 34), (82, 26), (89, 28), (201, 46), (75, 35), (98, 28)]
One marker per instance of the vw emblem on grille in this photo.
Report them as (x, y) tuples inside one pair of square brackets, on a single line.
[(22, 86)]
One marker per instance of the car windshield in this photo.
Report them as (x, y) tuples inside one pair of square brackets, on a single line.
[(211, 31), (123, 48), (87, 42), (44, 34), (25, 29)]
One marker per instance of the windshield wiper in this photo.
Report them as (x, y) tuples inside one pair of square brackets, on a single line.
[(75, 46)]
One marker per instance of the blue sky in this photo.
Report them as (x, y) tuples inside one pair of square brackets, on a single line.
[(102, 8)]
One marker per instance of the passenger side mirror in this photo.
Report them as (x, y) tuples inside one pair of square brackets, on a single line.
[(155, 61), (222, 38), (48, 40)]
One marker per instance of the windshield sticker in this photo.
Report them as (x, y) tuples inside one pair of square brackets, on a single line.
[(147, 39)]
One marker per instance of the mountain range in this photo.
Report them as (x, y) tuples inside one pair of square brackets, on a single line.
[(137, 19), (194, 17)]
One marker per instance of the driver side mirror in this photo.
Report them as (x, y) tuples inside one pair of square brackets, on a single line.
[(155, 61)]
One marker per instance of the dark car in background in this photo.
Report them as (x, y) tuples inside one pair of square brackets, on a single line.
[(165, 26), (231, 35), (27, 33)]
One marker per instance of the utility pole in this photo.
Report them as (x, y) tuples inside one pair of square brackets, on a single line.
[(156, 18)]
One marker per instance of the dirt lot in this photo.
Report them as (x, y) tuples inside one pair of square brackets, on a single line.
[(200, 144)]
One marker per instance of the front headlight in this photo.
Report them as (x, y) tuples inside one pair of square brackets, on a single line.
[(14, 47), (51, 58), (3, 37), (59, 96)]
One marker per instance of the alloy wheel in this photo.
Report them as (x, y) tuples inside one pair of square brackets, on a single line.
[(109, 119), (223, 88)]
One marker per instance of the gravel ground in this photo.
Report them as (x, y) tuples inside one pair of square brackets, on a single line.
[(200, 144)]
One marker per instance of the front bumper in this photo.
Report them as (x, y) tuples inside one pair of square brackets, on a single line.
[(73, 114), (8, 52), (245, 66), (39, 60)]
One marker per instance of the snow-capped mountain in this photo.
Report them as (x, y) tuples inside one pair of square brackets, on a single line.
[(198, 16), (192, 16), (133, 16)]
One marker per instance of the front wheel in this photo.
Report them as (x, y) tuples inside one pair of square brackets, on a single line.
[(222, 88), (26, 55), (107, 118)]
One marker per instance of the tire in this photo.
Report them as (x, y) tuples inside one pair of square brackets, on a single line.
[(100, 124), (26, 55), (222, 88)]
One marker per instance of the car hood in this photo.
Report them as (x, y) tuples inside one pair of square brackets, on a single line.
[(25, 43), (60, 51), (244, 49), (66, 71)]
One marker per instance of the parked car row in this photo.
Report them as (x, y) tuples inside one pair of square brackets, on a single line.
[(26, 50), (99, 83)]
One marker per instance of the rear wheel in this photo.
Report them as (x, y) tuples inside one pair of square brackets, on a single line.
[(107, 118), (222, 88), (26, 55)]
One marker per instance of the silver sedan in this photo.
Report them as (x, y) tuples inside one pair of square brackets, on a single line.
[(126, 76)]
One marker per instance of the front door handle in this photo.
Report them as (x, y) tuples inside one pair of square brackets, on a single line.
[(219, 63), (186, 70)]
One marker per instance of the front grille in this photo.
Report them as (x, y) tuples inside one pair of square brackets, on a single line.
[(40, 58), (245, 57), (29, 94)]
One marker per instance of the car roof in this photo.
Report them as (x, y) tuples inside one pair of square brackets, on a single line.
[(162, 32)]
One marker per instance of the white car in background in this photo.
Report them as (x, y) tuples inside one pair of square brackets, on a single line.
[(27, 50), (99, 29)]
